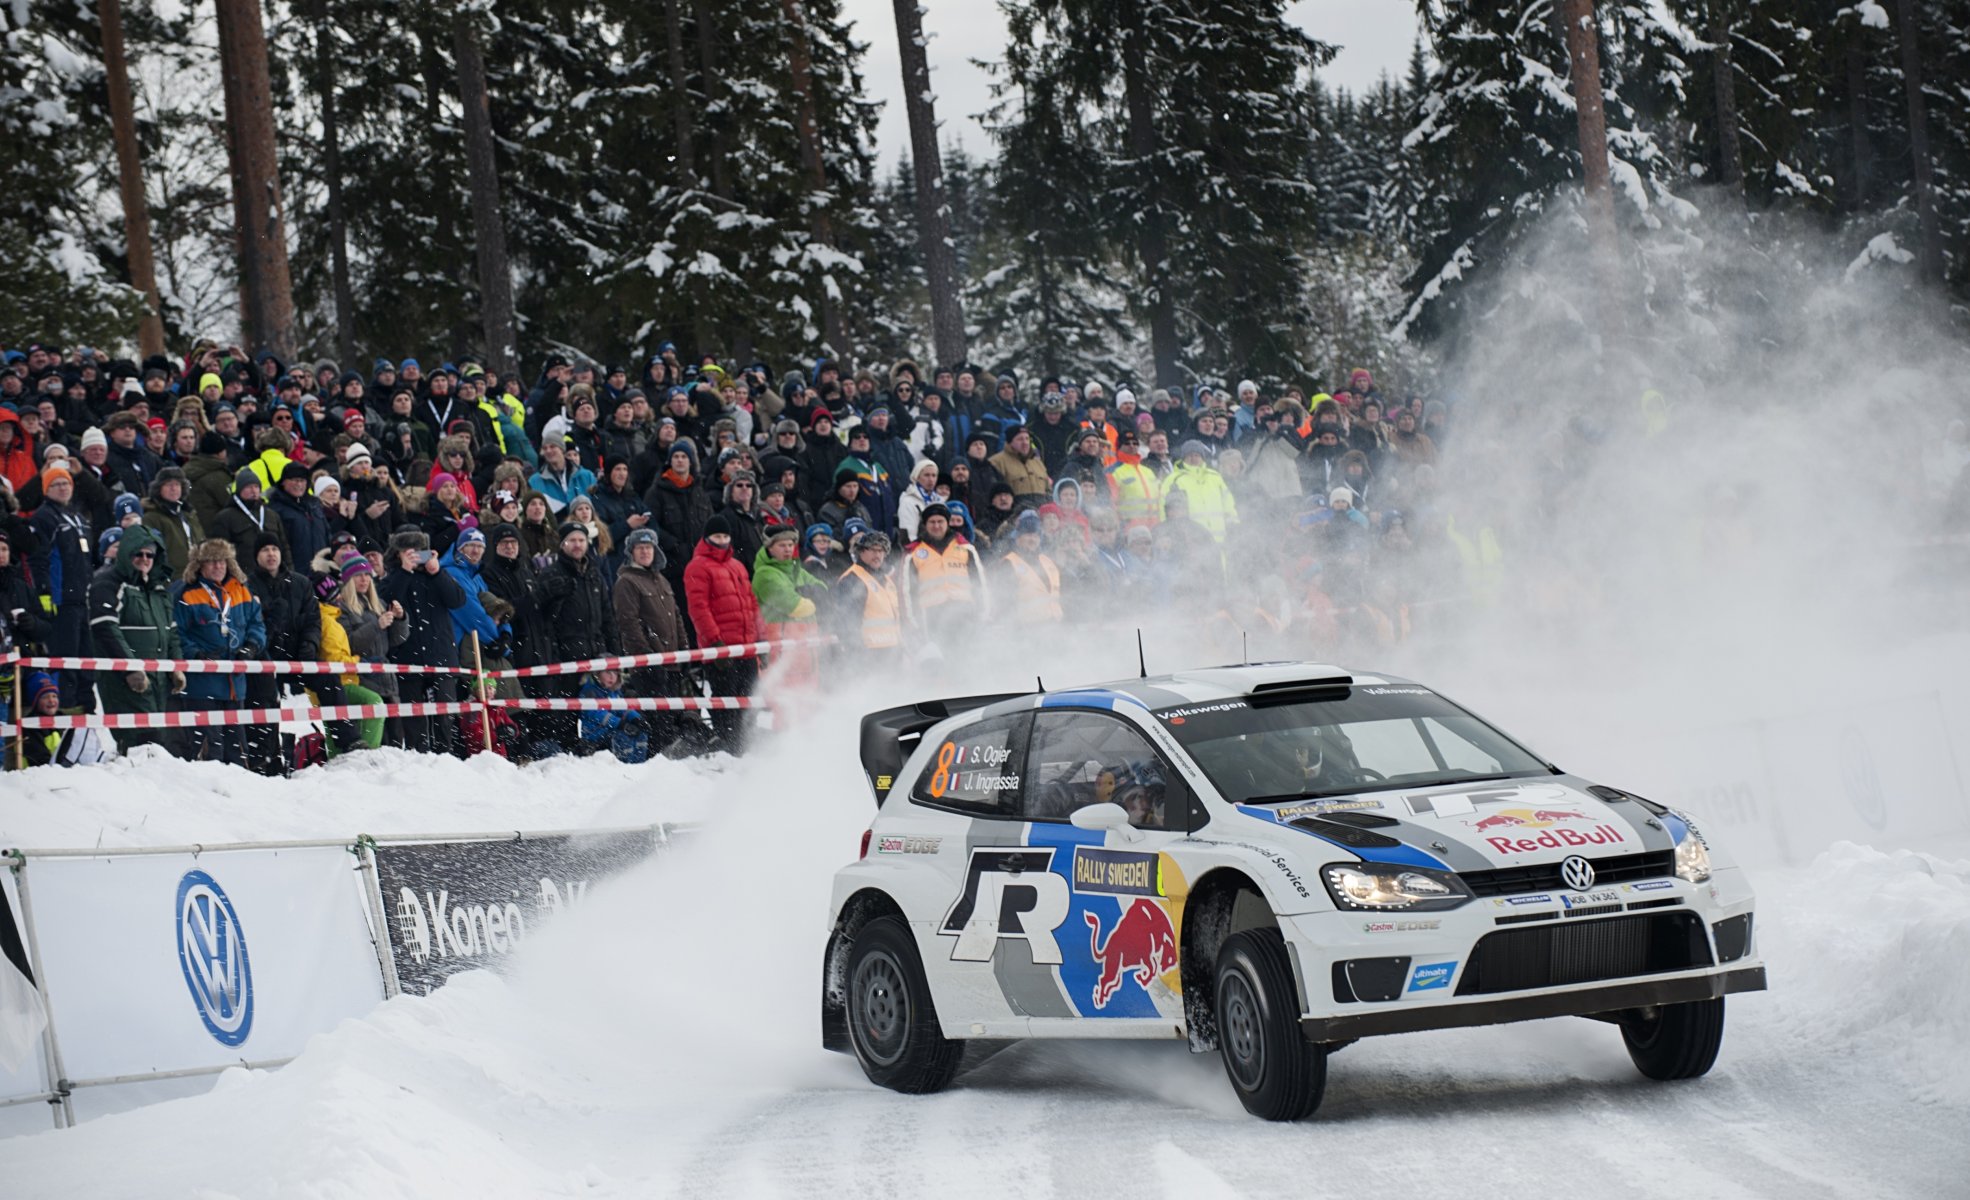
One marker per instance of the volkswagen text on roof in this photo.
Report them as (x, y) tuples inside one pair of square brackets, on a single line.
[(1270, 861)]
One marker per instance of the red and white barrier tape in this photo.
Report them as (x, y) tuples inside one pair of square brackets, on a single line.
[(247, 716), (638, 704), (628, 661), (250, 666)]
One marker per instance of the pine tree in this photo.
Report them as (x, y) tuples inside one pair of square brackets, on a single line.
[(62, 248), (1200, 117), (1495, 143)]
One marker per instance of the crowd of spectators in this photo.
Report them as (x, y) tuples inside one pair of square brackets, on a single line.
[(234, 506)]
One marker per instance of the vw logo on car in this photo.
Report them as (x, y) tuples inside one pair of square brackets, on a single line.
[(212, 952), (1577, 872)]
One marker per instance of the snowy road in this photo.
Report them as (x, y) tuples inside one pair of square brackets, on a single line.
[(619, 1064), (662, 1041)]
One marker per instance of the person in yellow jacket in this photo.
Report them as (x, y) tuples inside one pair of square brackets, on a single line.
[(335, 648), (1035, 577), (1208, 497), (867, 609), (1133, 489), (943, 580)]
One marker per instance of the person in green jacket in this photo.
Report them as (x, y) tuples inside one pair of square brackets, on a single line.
[(788, 594), (131, 616)]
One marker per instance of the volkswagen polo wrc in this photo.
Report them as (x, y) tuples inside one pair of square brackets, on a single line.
[(1270, 861)]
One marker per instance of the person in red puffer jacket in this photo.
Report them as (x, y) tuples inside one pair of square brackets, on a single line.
[(724, 612)]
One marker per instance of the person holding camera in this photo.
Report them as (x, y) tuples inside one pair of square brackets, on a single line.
[(427, 596)]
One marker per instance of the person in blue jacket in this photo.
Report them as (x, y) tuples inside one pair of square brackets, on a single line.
[(462, 562), (218, 618), (624, 734)]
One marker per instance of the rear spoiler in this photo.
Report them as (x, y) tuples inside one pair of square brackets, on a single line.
[(889, 736)]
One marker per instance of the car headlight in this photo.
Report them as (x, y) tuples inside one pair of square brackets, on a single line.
[(1390, 887), (1692, 860)]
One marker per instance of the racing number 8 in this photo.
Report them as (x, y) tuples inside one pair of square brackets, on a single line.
[(940, 782)]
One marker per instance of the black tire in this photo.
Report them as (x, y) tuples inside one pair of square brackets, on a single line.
[(1277, 1073), (1675, 1041), (892, 1023)]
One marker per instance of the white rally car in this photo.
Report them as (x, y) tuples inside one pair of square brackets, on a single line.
[(1270, 861)]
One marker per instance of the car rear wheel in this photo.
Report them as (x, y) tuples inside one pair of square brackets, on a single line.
[(1277, 1073), (891, 1021), (1675, 1041)]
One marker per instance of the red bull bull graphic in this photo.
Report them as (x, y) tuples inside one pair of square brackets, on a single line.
[(1142, 945)]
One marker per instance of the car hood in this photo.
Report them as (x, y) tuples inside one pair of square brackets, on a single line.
[(1478, 826)]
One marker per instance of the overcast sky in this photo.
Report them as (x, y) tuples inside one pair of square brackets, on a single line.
[(1374, 36)]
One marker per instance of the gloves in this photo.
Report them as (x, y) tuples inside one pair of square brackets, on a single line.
[(137, 682), (468, 521), (803, 610), (249, 650), (177, 681)]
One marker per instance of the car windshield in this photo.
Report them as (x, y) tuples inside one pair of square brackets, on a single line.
[(1361, 739)]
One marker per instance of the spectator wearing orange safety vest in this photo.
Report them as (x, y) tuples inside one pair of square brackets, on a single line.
[(943, 580), (1035, 578), (867, 610)]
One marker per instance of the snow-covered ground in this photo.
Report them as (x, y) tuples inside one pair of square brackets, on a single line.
[(663, 1040)]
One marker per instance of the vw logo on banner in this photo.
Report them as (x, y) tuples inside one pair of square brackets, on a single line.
[(212, 952), (1577, 872)]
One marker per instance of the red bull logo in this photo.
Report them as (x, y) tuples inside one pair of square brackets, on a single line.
[(1527, 818), (1142, 943), (1559, 839)]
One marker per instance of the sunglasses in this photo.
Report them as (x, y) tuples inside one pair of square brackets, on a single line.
[(137, 554)]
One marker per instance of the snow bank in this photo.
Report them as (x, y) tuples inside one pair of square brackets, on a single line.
[(1871, 955), (151, 799)]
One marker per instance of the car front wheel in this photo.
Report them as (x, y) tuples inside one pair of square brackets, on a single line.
[(1675, 1041), (1277, 1073), (891, 1021)]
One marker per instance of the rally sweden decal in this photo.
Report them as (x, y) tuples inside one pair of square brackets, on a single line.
[(1118, 942)]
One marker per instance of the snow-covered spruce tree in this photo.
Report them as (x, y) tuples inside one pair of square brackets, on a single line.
[(1495, 142), (1044, 297), (62, 245), (1200, 116)]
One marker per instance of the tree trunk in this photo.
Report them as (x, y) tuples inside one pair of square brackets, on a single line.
[(721, 182), (680, 86), (266, 291), (130, 179), (338, 228), (801, 75), (488, 226), (1583, 51), (1931, 254), (1730, 151), (1152, 244), (1856, 56), (940, 270)]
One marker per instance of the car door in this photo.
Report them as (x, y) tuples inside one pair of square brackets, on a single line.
[(971, 900), (1115, 963)]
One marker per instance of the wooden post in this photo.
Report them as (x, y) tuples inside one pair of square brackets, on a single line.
[(20, 729), (485, 702)]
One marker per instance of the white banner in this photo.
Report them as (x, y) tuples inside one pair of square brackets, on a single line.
[(173, 961), (18, 1027)]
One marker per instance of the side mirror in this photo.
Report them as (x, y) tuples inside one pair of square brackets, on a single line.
[(1101, 816)]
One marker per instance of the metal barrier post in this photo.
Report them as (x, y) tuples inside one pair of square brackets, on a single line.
[(51, 1048), (379, 916)]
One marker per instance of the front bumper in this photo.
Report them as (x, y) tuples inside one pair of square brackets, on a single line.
[(1578, 1002), (1524, 957)]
